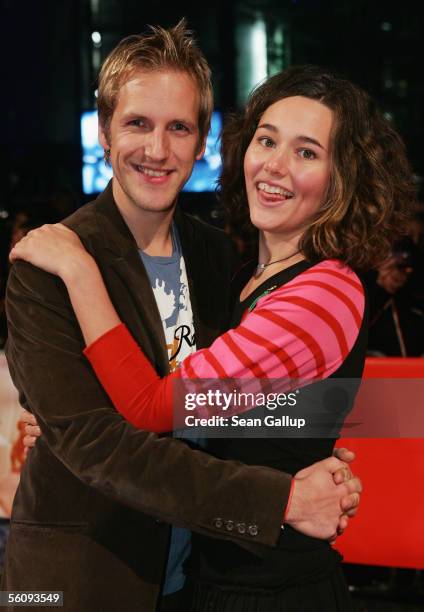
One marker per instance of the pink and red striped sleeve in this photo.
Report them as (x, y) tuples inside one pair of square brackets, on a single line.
[(303, 330)]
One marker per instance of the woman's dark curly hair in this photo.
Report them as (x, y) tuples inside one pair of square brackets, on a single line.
[(370, 192)]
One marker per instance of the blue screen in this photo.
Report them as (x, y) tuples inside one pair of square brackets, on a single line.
[(96, 174)]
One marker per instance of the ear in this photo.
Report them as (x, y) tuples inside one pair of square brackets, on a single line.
[(201, 149), (103, 138)]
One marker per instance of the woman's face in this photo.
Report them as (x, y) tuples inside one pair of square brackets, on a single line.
[(287, 166)]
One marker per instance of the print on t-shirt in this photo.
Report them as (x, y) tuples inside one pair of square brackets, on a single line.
[(176, 313), (168, 279)]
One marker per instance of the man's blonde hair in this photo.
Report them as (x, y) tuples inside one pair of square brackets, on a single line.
[(159, 49)]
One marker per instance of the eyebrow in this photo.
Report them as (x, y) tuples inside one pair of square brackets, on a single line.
[(134, 115), (307, 139)]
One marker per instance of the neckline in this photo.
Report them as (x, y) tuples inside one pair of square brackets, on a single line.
[(165, 259), (278, 279)]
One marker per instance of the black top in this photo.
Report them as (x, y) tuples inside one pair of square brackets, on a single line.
[(297, 559)]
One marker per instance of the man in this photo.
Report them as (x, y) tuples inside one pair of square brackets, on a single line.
[(90, 514)]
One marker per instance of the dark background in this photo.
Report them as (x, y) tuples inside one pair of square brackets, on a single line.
[(49, 68)]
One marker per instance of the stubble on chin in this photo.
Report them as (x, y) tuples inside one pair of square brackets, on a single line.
[(149, 206)]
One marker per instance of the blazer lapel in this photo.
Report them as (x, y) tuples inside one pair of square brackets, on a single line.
[(125, 274), (193, 251)]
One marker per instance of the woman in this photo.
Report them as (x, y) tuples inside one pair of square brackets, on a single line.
[(325, 181)]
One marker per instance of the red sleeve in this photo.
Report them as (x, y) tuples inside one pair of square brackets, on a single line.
[(307, 328), (286, 511), (128, 377)]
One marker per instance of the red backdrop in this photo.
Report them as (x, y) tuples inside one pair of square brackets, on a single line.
[(389, 527)]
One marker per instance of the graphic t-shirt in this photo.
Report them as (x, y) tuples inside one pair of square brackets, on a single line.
[(168, 279)]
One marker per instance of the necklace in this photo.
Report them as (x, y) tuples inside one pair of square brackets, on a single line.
[(266, 292), (261, 267)]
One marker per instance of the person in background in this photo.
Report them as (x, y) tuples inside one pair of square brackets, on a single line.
[(397, 297)]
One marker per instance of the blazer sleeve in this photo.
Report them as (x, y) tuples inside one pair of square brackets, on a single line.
[(160, 476)]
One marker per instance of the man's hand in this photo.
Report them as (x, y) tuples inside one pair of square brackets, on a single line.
[(331, 505), (346, 455), (31, 429), (319, 505), (343, 474)]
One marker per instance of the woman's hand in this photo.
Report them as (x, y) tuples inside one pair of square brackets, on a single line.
[(58, 250), (54, 248)]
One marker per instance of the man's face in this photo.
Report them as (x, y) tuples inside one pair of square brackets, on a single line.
[(154, 139)]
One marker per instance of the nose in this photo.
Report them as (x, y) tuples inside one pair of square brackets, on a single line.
[(156, 146), (277, 163)]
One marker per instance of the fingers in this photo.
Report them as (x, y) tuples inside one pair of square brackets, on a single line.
[(29, 442), (352, 512), (354, 485), (20, 249), (332, 464), (349, 502), (63, 228), (27, 417), (344, 454), (342, 475), (342, 526), (56, 229), (343, 523), (32, 430), (16, 252)]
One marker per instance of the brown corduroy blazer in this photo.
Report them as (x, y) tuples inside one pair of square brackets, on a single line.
[(92, 512)]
